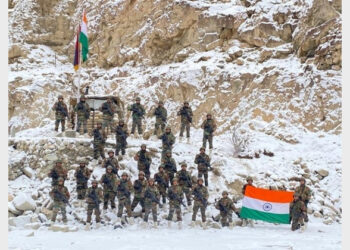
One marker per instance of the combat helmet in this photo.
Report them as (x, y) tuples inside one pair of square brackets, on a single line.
[(224, 192)]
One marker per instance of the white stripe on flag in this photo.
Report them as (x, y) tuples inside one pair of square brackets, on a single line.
[(265, 206), (84, 28)]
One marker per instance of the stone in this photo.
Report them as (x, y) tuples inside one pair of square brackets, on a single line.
[(34, 226), (29, 172), (19, 221), (239, 62), (317, 214), (51, 157), (323, 172), (70, 133), (30, 234), (13, 209), (10, 197), (59, 228), (24, 202), (42, 217), (328, 221)]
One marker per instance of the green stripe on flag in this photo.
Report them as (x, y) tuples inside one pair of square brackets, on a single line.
[(247, 213), (85, 45)]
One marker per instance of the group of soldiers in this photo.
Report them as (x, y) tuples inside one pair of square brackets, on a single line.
[(167, 183)]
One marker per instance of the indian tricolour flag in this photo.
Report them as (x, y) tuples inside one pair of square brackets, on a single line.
[(267, 205), (83, 39)]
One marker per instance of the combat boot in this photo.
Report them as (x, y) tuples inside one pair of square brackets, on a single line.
[(155, 224), (192, 224), (230, 225), (244, 222), (144, 224), (251, 223), (98, 225), (204, 225), (210, 151), (169, 223), (188, 140), (131, 220), (87, 227), (179, 224)]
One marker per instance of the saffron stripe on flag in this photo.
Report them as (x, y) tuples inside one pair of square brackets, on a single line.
[(247, 213), (269, 195)]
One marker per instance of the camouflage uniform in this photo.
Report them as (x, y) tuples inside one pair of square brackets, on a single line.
[(61, 112), (144, 161), (203, 162), (57, 194), (208, 127), (97, 194), (250, 181), (121, 135), (200, 192), (226, 206), (108, 111), (175, 204), (139, 192), (83, 112), (185, 183), (57, 172), (186, 119), (111, 161), (169, 165), (124, 189), (161, 116), (149, 204), (297, 212), (162, 180), (304, 193), (82, 175), (138, 111), (99, 142), (168, 140), (108, 180)]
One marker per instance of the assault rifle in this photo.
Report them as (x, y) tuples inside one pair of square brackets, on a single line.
[(107, 181), (61, 197), (187, 180), (97, 135), (122, 189), (107, 108), (94, 197), (186, 114), (198, 195), (173, 196), (149, 194), (160, 180), (61, 109), (81, 177), (201, 160), (137, 186), (137, 110), (114, 170)]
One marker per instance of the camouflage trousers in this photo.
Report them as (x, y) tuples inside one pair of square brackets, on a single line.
[(124, 202), (183, 126), (208, 138), (136, 201), (82, 122), (205, 173), (187, 192), (225, 217), (172, 208), (198, 205), (148, 207), (107, 122), (108, 197), (120, 146), (98, 150), (81, 190), (138, 123), (297, 221), (90, 209), (159, 124), (162, 192), (59, 205), (57, 123)]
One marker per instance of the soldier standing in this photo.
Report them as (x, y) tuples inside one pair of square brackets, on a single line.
[(200, 196), (93, 200), (175, 195), (185, 182), (124, 189), (186, 119), (121, 134), (138, 112), (83, 112), (56, 172), (99, 141), (203, 162), (108, 111), (168, 140), (297, 211), (60, 196), (144, 161), (108, 181), (61, 112), (208, 126), (161, 116), (304, 194), (162, 180), (151, 201), (111, 161), (225, 206), (249, 183), (82, 175), (169, 165), (139, 192)]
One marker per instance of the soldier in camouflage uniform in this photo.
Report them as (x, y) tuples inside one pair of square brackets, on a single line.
[(151, 201), (93, 200), (140, 186), (297, 211), (169, 165), (108, 180), (144, 161), (162, 180), (168, 140), (185, 182), (203, 162), (208, 126), (186, 119), (57, 171), (61, 112), (60, 196), (175, 195), (124, 190), (121, 133), (111, 161), (249, 183), (82, 175), (138, 112), (99, 141), (83, 112), (161, 116), (108, 111), (225, 206), (304, 193), (200, 196)]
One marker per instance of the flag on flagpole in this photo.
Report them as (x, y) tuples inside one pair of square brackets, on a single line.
[(83, 38), (267, 205), (76, 62)]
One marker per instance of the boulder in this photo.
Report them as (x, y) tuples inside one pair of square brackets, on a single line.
[(323, 172), (51, 157), (59, 228), (35, 225), (10, 197), (12, 209), (19, 221), (28, 172), (70, 133), (24, 202)]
